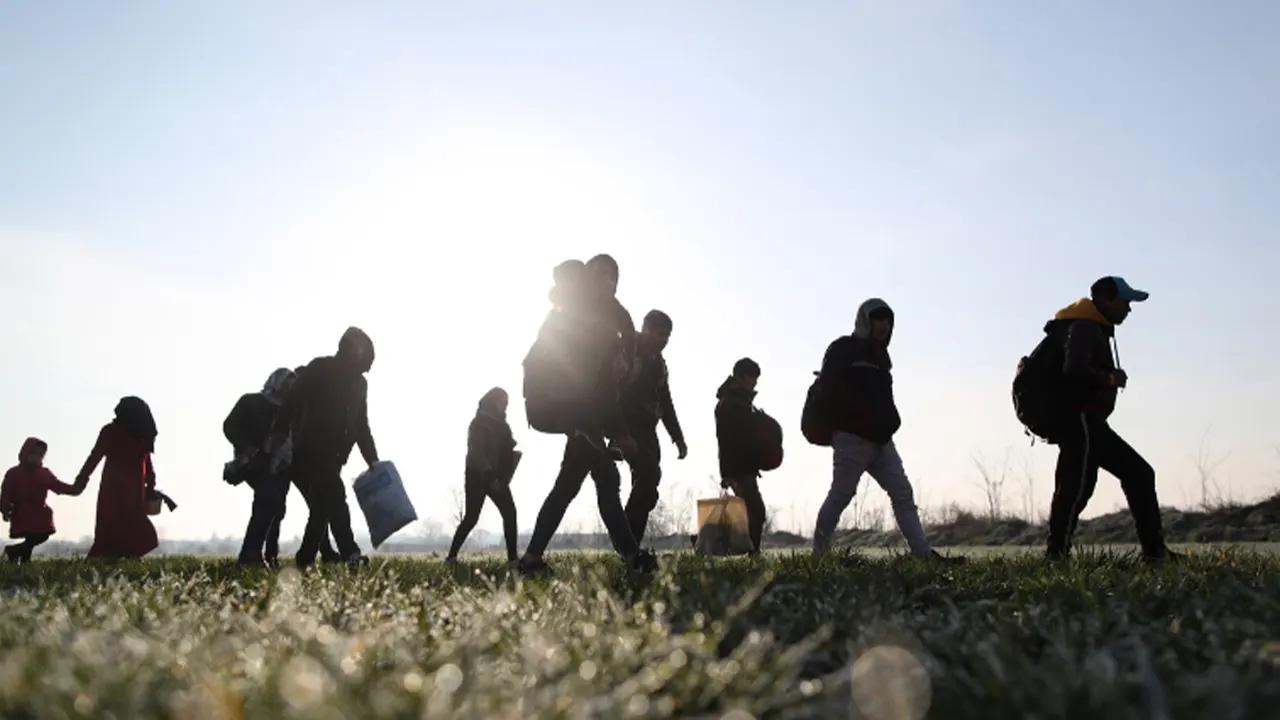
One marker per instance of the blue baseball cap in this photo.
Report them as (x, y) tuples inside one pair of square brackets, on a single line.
[(1117, 287)]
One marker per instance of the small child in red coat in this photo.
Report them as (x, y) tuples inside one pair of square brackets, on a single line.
[(22, 500)]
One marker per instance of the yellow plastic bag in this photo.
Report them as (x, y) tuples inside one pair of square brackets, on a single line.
[(722, 527)]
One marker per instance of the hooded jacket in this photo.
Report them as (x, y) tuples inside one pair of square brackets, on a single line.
[(739, 458), (857, 372), (1085, 335), (24, 492), (490, 448), (248, 426)]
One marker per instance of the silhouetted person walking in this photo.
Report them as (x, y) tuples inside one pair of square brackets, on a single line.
[(857, 374), (325, 416), (23, 497), (646, 400), (1081, 336), (588, 340), (491, 461), (122, 528), (739, 454)]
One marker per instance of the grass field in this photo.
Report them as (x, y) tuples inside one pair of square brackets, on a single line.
[(788, 635)]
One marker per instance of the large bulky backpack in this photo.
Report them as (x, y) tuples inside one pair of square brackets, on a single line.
[(557, 383), (768, 440), (1038, 388), (815, 419)]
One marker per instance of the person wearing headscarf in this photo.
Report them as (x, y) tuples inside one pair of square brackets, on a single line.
[(122, 528)]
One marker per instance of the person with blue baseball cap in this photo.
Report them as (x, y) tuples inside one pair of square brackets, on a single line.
[(1089, 381)]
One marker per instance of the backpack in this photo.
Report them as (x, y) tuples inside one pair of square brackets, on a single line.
[(557, 384), (815, 419), (1037, 388), (768, 440)]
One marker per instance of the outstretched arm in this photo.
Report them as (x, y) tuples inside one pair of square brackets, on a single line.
[(57, 486), (91, 463)]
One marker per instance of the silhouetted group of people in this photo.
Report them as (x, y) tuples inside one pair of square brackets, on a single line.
[(592, 379)]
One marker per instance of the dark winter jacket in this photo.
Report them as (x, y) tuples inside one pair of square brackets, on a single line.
[(1088, 363), (647, 398), (326, 412), (734, 433), (490, 449), (249, 424), (857, 372)]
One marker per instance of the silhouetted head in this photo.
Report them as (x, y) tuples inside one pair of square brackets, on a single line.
[(278, 384), (355, 350), (603, 271), (875, 321), (570, 281), (494, 403), (31, 455), (1114, 298), (746, 373), (133, 415), (655, 333)]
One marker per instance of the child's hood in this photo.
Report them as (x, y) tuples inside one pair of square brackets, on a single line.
[(29, 445)]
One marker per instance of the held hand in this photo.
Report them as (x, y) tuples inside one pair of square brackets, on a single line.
[(682, 449)]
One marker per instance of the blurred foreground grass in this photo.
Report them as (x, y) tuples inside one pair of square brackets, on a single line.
[(788, 635)]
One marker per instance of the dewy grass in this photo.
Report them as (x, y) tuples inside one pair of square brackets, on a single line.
[(788, 635)]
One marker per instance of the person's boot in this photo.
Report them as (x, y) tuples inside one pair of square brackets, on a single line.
[(643, 561), (250, 561), (935, 556), (328, 554), (1162, 556), (356, 559), (11, 554), (25, 553), (533, 566)]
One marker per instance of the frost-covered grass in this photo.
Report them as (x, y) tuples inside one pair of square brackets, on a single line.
[(783, 636)]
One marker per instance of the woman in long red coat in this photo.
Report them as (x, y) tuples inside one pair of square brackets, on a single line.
[(123, 529)]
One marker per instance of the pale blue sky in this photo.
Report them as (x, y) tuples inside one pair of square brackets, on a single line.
[(194, 194)]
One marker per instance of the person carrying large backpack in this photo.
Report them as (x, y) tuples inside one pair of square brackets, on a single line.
[(1065, 392), (857, 378), (572, 384), (325, 416)]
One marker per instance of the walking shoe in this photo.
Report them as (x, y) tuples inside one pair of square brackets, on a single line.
[(643, 562), (1164, 556), (938, 557), (357, 560), (243, 561), (533, 566)]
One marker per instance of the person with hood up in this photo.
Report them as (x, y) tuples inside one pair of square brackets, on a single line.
[(122, 528), (856, 371), (491, 461), (1091, 379), (248, 429), (598, 342), (324, 416), (22, 500), (646, 399), (735, 434)]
